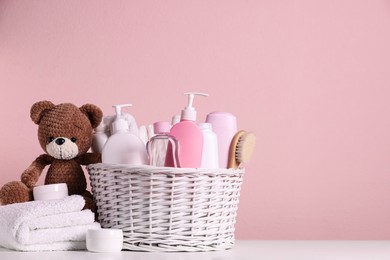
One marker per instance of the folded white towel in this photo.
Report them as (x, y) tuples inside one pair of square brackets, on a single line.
[(46, 225)]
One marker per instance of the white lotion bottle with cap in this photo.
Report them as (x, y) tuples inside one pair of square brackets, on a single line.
[(210, 147), (189, 135), (100, 137), (123, 147)]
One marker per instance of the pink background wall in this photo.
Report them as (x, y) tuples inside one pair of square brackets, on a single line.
[(310, 78)]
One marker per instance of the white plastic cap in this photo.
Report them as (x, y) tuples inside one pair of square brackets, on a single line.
[(120, 124), (104, 240), (50, 191), (206, 127), (189, 112), (101, 127), (175, 119)]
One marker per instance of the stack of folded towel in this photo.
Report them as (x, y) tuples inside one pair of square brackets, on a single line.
[(46, 225)]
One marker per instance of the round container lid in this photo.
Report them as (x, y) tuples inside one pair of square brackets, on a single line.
[(51, 188), (105, 233)]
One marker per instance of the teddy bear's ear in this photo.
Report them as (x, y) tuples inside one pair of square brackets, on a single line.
[(93, 113), (39, 109)]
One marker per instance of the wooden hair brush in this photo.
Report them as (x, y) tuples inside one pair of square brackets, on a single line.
[(241, 148)]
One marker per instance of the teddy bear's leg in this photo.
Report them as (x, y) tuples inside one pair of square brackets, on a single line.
[(15, 192), (89, 203)]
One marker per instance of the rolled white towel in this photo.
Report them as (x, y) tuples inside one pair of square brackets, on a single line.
[(46, 225)]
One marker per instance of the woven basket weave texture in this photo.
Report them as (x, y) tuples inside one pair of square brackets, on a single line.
[(168, 209)]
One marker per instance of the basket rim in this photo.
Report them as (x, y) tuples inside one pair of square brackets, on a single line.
[(155, 169)]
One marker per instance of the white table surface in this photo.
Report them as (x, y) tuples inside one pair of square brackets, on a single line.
[(244, 249)]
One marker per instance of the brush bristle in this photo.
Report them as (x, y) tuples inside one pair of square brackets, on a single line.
[(245, 147)]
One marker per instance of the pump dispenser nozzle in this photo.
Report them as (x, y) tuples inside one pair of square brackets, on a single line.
[(120, 123), (189, 112), (118, 109)]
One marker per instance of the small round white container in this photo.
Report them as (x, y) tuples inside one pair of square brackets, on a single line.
[(104, 240), (50, 191)]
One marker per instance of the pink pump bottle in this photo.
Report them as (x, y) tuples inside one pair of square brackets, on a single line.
[(189, 135)]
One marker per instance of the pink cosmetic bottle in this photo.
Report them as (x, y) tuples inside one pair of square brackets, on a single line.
[(158, 146), (189, 135)]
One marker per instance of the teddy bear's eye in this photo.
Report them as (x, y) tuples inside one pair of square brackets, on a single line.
[(73, 139), (51, 139)]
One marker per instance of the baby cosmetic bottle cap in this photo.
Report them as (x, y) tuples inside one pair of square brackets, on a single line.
[(161, 127), (50, 191), (175, 119), (189, 112), (101, 128), (206, 127), (105, 240)]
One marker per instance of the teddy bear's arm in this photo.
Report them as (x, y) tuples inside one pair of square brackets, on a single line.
[(90, 158), (31, 175)]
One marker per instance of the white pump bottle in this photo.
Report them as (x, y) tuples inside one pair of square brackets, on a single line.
[(123, 147), (100, 137)]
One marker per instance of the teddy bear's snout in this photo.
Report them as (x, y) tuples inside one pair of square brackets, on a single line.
[(62, 148), (60, 141)]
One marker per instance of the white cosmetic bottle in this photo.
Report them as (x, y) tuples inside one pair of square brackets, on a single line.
[(210, 147), (123, 147), (100, 137), (143, 134)]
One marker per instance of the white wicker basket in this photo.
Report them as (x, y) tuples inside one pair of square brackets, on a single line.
[(168, 209)]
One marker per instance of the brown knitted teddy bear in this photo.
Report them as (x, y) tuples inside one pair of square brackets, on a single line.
[(65, 134)]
